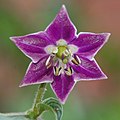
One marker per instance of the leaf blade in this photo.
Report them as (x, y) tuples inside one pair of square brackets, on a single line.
[(55, 106), (13, 116)]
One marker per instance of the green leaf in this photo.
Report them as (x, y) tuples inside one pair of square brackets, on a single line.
[(51, 104), (13, 116)]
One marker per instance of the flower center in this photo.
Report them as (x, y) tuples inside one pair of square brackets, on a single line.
[(63, 54), (60, 55), (61, 51)]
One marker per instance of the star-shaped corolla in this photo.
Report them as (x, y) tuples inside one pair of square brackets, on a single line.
[(60, 56)]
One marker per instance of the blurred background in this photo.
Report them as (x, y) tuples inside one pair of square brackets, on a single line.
[(94, 100)]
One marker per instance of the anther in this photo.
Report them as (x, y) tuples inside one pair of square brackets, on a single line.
[(69, 71), (76, 60), (66, 52), (57, 71), (48, 62)]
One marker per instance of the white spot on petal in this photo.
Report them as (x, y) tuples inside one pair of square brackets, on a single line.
[(61, 42), (55, 50), (73, 48), (51, 49)]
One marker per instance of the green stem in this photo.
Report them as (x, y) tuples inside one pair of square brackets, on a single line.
[(34, 112), (40, 94)]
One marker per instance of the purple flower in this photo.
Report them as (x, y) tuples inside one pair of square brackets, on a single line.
[(60, 57)]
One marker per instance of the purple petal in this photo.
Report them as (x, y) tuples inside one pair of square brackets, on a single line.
[(32, 45), (62, 86), (37, 73), (61, 27), (88, 70), (90, 43)]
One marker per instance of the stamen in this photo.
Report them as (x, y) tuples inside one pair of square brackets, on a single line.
[(48, 62), (69, 71), (57, 71), (66, 52), (76, 60), (49, 66)]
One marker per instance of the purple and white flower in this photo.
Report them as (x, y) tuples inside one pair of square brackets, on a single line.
[(60, 56)]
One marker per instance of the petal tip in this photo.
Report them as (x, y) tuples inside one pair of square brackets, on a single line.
[(107, 35), (62, 98), (105, 77), (62, 101), (63, 7), (13, 39), (22, 85)]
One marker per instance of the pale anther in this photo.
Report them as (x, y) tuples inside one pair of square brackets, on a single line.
[(76, 60), (57, 71), (69, 71), (48, 62)]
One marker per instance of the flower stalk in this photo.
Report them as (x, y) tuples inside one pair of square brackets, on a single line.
[(40, 94), (35, 111)]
